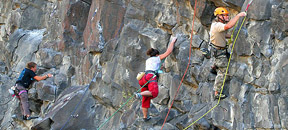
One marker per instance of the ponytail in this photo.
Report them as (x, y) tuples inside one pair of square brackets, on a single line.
[(152, 52)]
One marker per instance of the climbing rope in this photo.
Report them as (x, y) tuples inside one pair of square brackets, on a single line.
[(131, 96), (186, 67), (125, 103), (226, 70)]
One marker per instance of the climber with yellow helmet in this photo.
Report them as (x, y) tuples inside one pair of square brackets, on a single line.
[(218, 34)]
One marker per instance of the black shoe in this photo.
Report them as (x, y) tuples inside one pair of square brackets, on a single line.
[(213, 69), (221, 97), (147, 119)]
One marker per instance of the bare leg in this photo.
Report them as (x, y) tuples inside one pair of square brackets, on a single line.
[(146, 93), (145, 111)]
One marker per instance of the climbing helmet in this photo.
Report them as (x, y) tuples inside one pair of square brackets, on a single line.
[(220, 11)]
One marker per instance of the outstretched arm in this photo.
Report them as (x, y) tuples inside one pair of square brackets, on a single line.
[(38, 78), (169, 49), (233, 21)]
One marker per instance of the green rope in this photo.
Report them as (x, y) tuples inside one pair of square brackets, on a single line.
[(130, 98), (224, 77), (232, 35), (124, 103)]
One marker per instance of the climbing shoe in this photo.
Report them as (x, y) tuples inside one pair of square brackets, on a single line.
[(213, 69), (137, 95), (29, 118), (147, 119), (222, 96)]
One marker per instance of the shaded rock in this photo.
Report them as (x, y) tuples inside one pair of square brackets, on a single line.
[(263, 39), (2, 67), (259, 10), (46, 91), (172, 114), (167, 126), (204, 10), (204, 93), (61, 83), (49, 58), (278, 23), (33, 15), (243, 45), (68, 103), (44, 125)]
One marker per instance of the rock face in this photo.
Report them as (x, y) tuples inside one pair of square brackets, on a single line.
[(95, 48)]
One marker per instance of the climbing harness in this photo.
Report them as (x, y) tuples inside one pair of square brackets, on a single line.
[(125, 103), (146, 72), (16, 92), (186, 67), (226, 70)]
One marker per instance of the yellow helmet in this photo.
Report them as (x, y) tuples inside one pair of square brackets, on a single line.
[(220, 10)]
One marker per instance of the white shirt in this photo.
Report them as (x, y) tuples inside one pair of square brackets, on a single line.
[(153, 63)]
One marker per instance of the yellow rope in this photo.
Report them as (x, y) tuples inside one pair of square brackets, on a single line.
[(224, 77)]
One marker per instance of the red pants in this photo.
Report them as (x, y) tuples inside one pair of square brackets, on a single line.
[(152, 86)]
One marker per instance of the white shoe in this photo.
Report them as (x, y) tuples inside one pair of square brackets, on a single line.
[(137, 95)]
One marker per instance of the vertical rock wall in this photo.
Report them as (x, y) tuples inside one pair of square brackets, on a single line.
[(95, 48)]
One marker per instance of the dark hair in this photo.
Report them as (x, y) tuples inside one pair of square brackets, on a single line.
[(31, 65), (152, 52)]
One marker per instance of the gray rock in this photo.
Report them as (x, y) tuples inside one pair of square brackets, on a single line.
[(63, 39), (261, 108), (33, 15), (163, 96), (282, 103), (25, 39), (68, 103), (46, 91), (167, 126), (49, 58), (259, 10), (204, 11), (278, 23)]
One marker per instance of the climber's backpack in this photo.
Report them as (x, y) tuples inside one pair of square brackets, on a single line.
[(140, 75)]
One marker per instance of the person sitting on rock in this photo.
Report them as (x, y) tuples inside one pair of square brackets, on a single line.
[(150, 90), (218, 33), (26, 78)]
